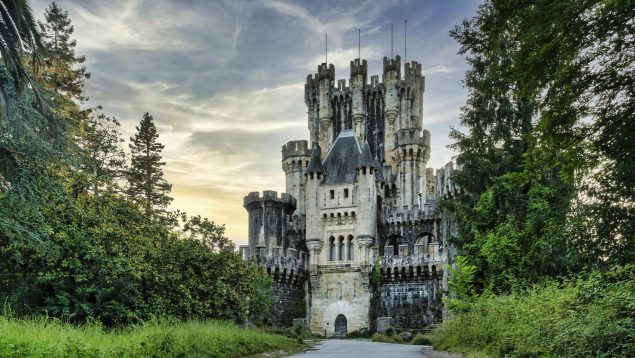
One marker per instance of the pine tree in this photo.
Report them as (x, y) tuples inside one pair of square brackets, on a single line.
[(60, 69), (146, 183)]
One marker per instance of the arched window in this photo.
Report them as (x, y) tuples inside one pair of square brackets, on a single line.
[(332, 248), (351, 248), (341, 248)]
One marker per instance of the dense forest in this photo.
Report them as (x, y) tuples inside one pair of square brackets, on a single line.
[(85, 232), (546, 217)]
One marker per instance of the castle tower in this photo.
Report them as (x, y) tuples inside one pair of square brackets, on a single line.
[(268, 220), (295, 159), (391, 77), (359, 70), (314, 172)]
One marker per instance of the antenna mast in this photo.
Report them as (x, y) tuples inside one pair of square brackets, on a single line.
[(391, 37), (359, 43), (405, 36), (326, 47)]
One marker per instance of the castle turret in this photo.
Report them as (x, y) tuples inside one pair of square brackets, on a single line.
[(325, 76), (359, 71), (314, 174), (295, 159), (415, 82), (367, 198), (392, 74), (268, 219)]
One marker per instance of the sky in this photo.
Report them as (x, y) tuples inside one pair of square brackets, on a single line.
[(224, 79)]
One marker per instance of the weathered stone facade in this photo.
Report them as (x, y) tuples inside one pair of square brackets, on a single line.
[(359, 199)]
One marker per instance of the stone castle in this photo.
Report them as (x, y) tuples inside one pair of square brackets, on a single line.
[(357, 241)]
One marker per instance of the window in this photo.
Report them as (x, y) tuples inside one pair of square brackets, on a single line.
[(332, 194), (346, 193), (341, 248), (332, 249), (351, 248)]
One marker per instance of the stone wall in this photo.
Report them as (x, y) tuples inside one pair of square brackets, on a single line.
[(412, 305), (289, 302)]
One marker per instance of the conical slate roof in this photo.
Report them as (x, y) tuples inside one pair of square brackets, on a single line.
[(315, 164), (365, 158)]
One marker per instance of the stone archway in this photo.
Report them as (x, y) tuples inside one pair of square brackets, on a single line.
[(340, 326)]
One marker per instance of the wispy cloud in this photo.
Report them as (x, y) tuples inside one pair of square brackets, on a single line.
[(224, 79)]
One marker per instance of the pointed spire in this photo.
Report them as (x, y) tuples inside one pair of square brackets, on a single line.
[(315, 164), (365, 158)]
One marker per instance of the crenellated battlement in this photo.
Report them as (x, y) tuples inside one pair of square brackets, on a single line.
[(326, 72), (269, 197), (393, 65), (359, 67), (412, 69), (446, 188), (296, 148)]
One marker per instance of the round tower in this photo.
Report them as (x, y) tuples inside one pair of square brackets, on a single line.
[(359, 71), (326, 77), (391, 77), (268, 220), (295, 159), (367, 175)]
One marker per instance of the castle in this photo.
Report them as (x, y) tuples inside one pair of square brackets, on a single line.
[(357, 241)]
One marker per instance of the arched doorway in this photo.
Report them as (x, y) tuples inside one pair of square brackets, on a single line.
[(340, 326)]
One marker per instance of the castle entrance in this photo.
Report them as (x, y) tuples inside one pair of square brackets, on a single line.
[(340, 326)]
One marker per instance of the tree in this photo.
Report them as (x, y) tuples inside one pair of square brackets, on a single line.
[(60, 69), (146, 183), (555, 191), (18, 34), (102, 161)]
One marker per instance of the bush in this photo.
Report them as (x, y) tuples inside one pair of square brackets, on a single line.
[(378, 337), (421, 340), (592, 316)]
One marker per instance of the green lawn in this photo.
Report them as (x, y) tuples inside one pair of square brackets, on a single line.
[(51, 338)]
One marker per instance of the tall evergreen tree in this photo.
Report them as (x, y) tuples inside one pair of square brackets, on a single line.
[(146, 183), (60, 69)]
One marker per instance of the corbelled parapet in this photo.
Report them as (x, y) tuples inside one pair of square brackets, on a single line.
[(411, 136)]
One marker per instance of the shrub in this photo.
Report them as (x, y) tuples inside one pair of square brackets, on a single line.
[(421, 340), (591, 316), (378, 337)]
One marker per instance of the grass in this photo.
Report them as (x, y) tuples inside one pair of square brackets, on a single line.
[(42, 337)]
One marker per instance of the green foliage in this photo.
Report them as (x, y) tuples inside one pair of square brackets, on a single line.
[(548, 141), (461, 283), (591, 316), (157, 338), (421, 339), (146, 183)]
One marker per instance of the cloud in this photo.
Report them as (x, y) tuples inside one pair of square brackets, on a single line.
[(225, 79)]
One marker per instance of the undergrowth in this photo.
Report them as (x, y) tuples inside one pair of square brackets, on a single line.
[(44, 337)]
